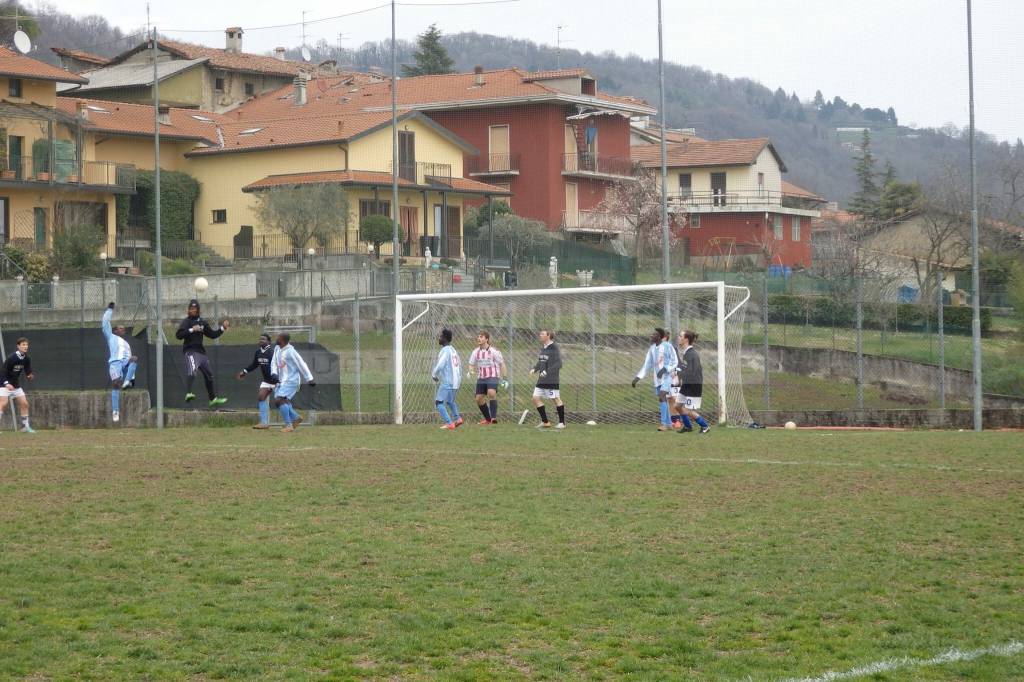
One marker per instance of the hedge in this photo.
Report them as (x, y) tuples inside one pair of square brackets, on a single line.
[(827, 312), (178, 194)]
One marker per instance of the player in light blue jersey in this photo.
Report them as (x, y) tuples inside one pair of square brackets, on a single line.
[(661, 361), (121, 364), (447, 374), (289, 369)]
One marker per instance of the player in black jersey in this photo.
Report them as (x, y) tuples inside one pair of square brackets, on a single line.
[(262, 359)]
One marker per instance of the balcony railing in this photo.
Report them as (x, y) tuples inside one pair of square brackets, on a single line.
[(715, 199), (585, 163), (594, 221), (93, 173), (421, 172), (493, 164)]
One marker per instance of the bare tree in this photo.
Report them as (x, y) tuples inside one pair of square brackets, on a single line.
[(638, 201), (945, 227), (305, 213)]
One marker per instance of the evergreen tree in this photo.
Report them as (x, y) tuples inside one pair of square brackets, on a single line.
[(889, 176), (891, 115), (865, 201), (819, 100), (430, 55)]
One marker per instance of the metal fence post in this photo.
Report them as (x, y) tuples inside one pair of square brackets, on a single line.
[(509, 368), (939, 313), (593, 360), (24, 305), (358, 358), (216, 316), (81, 331), (860, 343), (766, 388)]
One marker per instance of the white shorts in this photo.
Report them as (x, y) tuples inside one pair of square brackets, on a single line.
[(673, 392), (546, 393), (688, 401), (16, 393), (264, 385)]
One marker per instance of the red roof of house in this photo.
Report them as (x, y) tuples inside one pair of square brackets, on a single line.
[(81, 56), (369, 178), (698, 153), (331, 94), (789, 189), (15, 64), (245, 136), (557, 73), (118, 118)]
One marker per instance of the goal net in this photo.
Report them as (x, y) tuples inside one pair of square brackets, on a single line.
[(602, 333)]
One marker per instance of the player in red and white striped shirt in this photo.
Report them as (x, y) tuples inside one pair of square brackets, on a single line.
[(489, 365)]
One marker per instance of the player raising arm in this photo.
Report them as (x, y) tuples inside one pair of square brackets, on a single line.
[(191, 332), (17, 363), (489, 365), (549, 363), (121, 364)]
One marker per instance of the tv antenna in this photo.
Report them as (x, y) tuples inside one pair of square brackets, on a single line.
[(21, 39), (558, 45)]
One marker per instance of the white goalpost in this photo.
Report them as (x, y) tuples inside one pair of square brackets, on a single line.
[(603, 336)]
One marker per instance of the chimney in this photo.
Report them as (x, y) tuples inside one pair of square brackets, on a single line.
[(82, 109), (279, 53), (163, 114), (233, 39), (300, 90), (478, 72), (328, 66)]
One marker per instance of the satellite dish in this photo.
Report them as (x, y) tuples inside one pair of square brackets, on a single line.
[(22, 42), (306, 54)]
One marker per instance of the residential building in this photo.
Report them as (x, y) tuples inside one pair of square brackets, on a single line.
[(727, 200), (234, 161), (77, 61), (50, 174), (551, 139), (195, 76)]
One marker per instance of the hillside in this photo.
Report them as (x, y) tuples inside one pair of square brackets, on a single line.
[(802, 127)]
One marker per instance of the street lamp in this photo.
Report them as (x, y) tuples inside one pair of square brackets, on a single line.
[(103, 257)]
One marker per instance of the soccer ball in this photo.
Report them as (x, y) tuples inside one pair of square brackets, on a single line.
[(790, 425), (201, 284), (591, 423)]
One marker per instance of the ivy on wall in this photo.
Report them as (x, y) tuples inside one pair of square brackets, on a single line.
[(178, 194)]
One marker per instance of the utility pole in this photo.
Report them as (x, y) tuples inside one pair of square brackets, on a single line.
[(394, 191), (159, 248), (665, 262), (975, 278)]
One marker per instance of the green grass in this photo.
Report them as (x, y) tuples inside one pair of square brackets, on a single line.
[(504, 553)]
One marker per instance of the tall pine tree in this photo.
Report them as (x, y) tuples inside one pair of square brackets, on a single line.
[(865, 201), (430, 55)]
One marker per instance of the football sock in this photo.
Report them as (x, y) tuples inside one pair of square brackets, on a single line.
[(443, 411), (686, 421), (561, 413), (189, 380), (543, 414), (264, 407), (663, 409), (700, 420), (24, 421), (675, 419), (115, 400), (484, 411), (129, 372), (209, 387), (494, 409), (454, 410)]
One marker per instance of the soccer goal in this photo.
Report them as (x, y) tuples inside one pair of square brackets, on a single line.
[(602, 333)]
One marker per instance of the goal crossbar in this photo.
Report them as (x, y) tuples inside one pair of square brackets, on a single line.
[(722, 315)]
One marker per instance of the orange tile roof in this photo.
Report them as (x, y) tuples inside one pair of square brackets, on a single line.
[(788, 188), (705, 153), (246, 136), (557, 73), (118, 118), (15, 64), (81, 56), (370, 178), (330, 94)]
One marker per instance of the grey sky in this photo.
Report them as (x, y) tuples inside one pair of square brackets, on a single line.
[(909, 54)]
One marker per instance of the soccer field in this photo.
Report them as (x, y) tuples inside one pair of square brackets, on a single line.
[(506, 553)]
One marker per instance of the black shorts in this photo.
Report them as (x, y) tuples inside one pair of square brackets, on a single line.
[(484, 385)]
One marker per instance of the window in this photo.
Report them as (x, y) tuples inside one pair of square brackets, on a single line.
[(778, 228), (371, 207), (220, 215), (250, 89), (760, 183), (685, 185), (15, 87), (795, 228), (695, 221), (218, 84)]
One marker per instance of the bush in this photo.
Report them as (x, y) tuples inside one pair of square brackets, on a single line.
[(178, 194), (376, 229), (823, 311), (169, 266)]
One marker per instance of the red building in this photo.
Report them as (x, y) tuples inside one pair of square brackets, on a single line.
[(728, 201), (551, 138)]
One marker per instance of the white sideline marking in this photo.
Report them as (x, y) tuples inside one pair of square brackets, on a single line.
[(950, 656)]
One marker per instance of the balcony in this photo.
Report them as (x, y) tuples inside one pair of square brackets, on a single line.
[(595, 221), (724, 201), (585, 164), (422, 173), (493, 165), (93, 175)]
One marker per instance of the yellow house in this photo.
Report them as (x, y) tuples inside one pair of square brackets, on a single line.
[(233, 161), (49, 172)]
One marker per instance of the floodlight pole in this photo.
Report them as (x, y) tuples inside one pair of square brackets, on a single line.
[(975, 278), (665, 262), (158, 251), (394, 204)]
